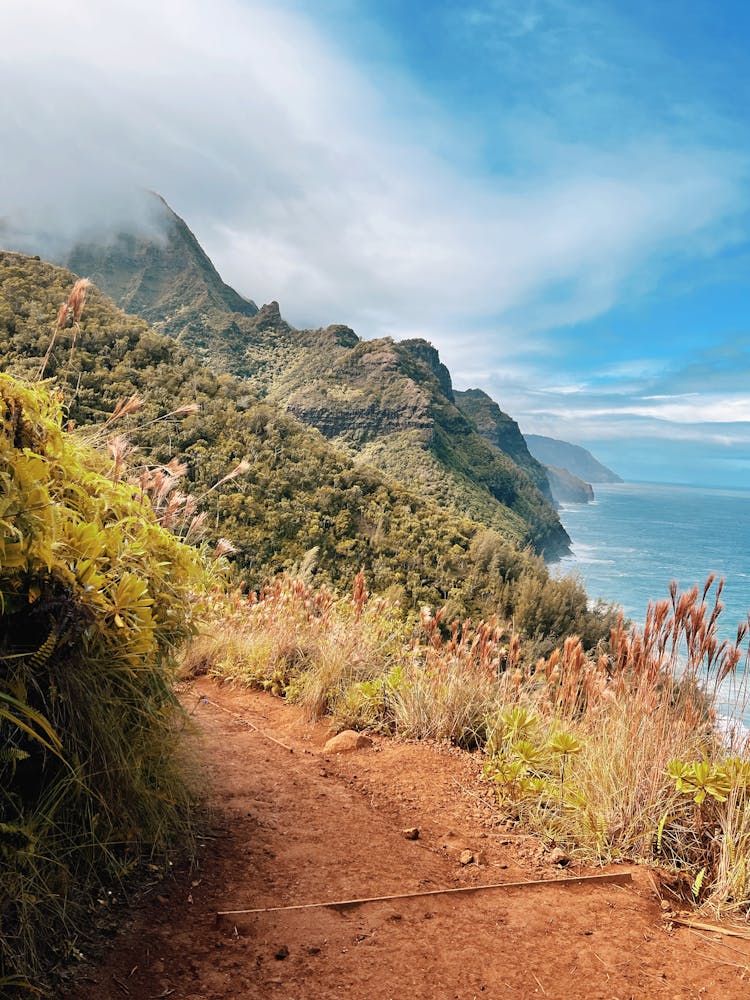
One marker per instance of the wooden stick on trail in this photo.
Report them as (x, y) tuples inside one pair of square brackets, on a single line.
[(247, 722), (714, 928), (617, 878)]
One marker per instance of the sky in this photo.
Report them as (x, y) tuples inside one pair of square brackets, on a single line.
[(555, 193)]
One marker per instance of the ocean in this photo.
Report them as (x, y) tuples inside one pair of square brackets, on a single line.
[(634, 538)]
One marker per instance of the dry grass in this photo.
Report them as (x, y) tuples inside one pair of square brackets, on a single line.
[(614, 754), (654, 776), (300, 642), (69, 315)]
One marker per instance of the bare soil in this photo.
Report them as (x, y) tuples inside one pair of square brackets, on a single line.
[(295, 826)]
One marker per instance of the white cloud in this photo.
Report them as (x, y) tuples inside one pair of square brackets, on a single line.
[(634, 368), (349, 196), (311, 183), (695, 408)]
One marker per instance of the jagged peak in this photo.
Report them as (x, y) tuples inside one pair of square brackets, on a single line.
[(342, 334), (270, 310), (269, 317), (424, 351)]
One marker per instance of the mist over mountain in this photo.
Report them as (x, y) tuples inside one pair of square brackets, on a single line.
[(572, 457), (167, 278)]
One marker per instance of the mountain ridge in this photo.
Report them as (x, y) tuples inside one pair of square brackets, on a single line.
[(298, 504), (385, 403)]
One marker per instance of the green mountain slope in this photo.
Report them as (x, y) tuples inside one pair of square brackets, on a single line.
[(298, 493), (557, 485), (392, 405), (389, 405), (504, 433)]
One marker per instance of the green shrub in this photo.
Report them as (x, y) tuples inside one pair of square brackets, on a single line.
[(95, 598)]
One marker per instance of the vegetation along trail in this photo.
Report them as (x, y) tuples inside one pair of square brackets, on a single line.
[(293, 823)]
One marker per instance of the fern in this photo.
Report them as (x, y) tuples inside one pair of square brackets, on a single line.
[(39, 658)]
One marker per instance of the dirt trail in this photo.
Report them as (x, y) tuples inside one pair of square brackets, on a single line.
[(298, 827)]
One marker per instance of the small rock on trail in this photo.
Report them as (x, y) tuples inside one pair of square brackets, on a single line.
[(347, 742), (558, 857)]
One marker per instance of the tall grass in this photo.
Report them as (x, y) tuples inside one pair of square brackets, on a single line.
[(618, 753), (303, 643), (654, 774)]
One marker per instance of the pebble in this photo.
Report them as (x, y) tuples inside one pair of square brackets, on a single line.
[(558, 857)]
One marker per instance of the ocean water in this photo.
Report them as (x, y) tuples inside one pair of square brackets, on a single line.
[(634, 538)]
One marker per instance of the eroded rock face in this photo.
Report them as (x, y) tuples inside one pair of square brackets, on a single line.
[(347, 742), (428, 355), (360, 424)]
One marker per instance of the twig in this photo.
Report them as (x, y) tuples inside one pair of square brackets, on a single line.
[(721, 961), (619, 878), (714, 928), (721, 944), (540, 983)]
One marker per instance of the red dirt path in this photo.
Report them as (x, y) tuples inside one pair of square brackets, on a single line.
[(297, 827)]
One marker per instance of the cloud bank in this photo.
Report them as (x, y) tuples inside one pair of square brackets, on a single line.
[(351, 194)]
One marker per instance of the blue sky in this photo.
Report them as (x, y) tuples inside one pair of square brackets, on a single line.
[(555, 193)]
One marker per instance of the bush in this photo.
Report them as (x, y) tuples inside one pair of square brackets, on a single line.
[(95, 597)]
